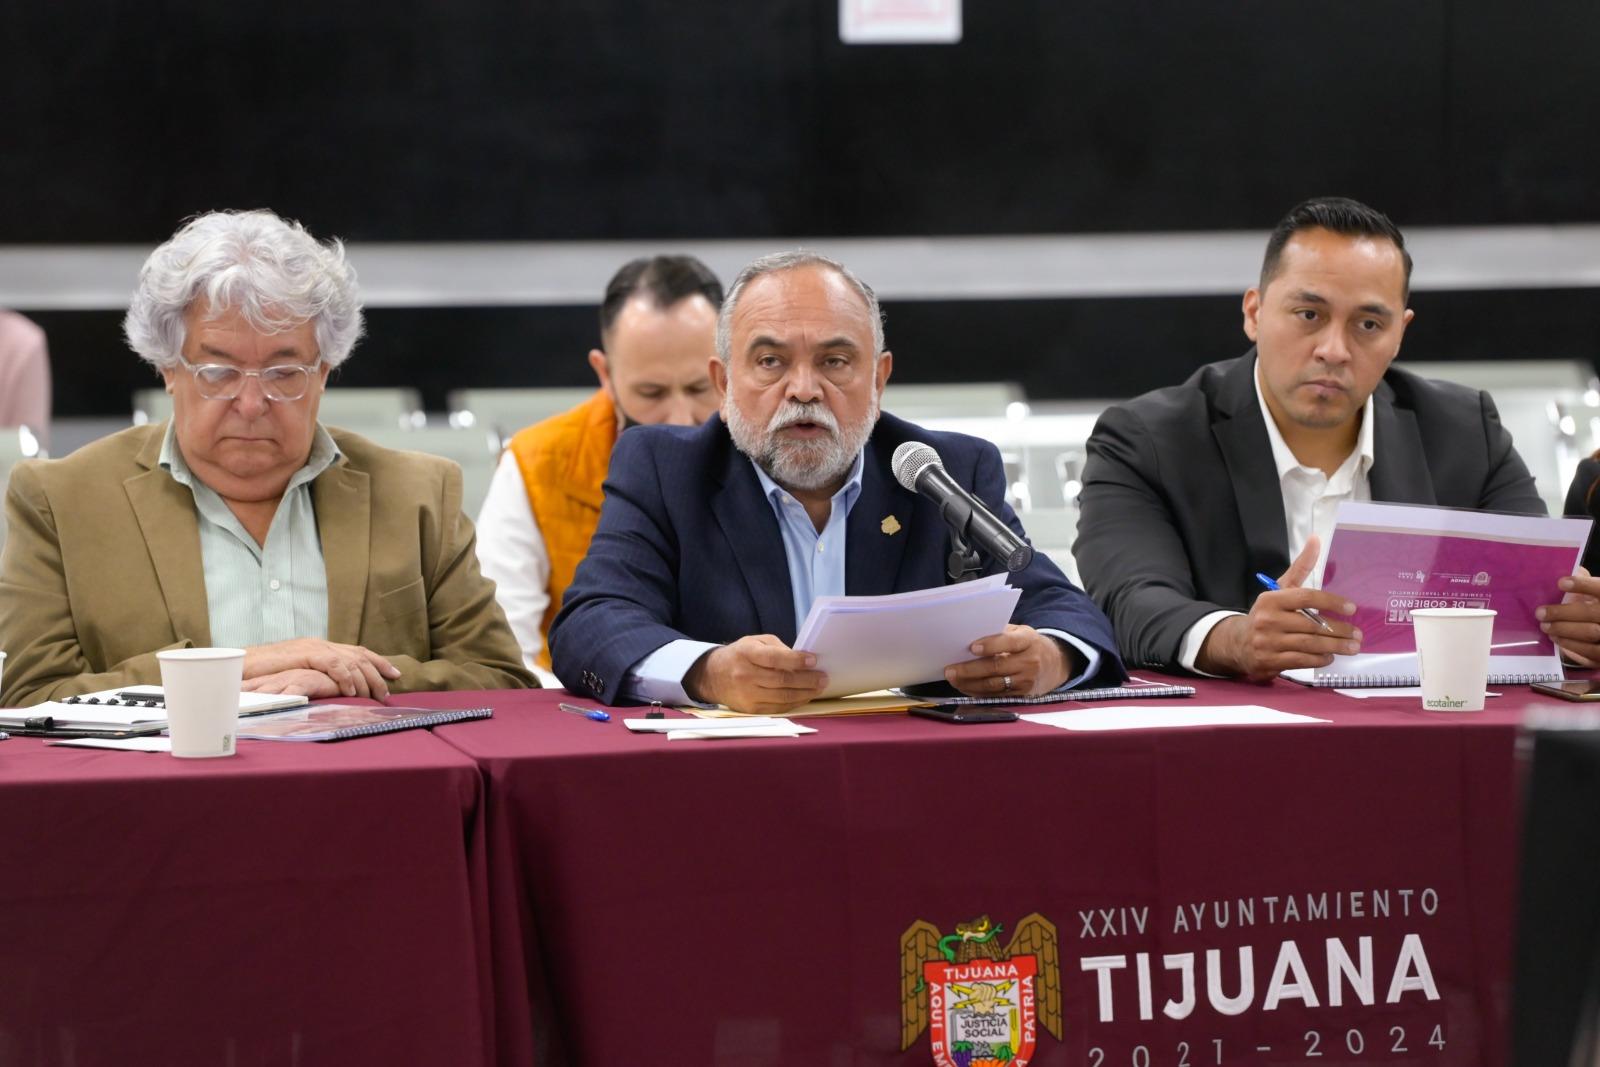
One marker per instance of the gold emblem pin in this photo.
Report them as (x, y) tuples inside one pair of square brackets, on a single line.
[(890, 525)]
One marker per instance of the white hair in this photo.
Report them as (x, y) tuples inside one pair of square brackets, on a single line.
[(782, 261), (270, 269)]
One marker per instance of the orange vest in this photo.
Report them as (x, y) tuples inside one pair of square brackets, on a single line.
[(563, 461)]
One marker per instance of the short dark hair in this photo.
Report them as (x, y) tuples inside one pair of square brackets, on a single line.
[(1341, 215), (665, 279)]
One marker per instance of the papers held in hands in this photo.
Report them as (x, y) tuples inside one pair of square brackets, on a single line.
[(127, 712), (1389, 559), (880, 642)]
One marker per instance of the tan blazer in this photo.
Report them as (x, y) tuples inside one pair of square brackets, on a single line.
[(102, 569)]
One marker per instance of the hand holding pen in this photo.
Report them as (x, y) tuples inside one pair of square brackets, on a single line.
[(1287, 627)]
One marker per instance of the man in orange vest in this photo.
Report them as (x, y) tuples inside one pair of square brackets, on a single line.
[(658, 325)]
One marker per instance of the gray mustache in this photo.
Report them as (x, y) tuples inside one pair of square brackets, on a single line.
[(794, 411)]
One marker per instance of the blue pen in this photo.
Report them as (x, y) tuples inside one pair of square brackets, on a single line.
[(593, 714), (1307, 612)]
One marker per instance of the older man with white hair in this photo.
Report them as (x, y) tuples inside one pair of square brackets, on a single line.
[(342, 568), (714, 541)]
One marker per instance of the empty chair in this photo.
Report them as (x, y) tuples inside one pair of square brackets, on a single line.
[(350, 408), (476, 450), (505, 411), (918, 401), (1498, 375)]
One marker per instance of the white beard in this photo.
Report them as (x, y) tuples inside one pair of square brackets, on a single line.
[(794, 464)]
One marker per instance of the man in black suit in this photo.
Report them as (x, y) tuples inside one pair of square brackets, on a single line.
[(714, 540), (1189, 491)]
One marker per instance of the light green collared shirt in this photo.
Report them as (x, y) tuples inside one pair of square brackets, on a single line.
[(258, 594)]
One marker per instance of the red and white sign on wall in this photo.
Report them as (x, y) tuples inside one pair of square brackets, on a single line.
[(900, 21)]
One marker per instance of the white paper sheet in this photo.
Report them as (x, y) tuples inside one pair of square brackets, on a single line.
[(668, 726), (791, 730), (1148, 717), (126, 744), (884, 642)]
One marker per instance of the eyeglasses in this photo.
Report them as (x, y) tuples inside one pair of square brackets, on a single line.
[(219, 381)]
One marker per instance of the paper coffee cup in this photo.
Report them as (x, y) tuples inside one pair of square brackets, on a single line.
[(201, 688), (1453, 656)]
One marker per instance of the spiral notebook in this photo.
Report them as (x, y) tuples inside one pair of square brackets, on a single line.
[(1389, 559), (341, 722), (1134, 688)]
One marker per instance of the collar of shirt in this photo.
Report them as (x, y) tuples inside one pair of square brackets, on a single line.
[(1358, 462), (1310, 498), (324, 453), (816, 559), (259, 593)]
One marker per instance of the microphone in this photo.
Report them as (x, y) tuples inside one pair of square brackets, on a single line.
[(917, 467)]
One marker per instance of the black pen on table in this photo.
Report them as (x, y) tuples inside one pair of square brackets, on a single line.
[(592, 714), (1307, 612)]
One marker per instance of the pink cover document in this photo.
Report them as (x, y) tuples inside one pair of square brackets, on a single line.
[(1390, 558)]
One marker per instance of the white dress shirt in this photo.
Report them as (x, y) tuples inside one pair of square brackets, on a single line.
[(512, 555), (1310, 499)]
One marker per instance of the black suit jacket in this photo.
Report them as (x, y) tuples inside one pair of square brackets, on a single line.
[(1583, 500), (688, 547), (1181, 504)]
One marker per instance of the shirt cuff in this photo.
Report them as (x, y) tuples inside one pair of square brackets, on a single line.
[(659, 676), (1091, 657), (1189, 647)]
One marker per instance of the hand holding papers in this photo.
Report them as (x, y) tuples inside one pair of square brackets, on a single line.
[(1391, 559), (880, 642)]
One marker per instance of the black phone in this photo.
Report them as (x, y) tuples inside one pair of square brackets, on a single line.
[(1580, 689), (965, 715)]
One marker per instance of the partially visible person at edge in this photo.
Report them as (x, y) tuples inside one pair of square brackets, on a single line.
[(341, 568), (1575, 623), (658, 323), (24, 376)]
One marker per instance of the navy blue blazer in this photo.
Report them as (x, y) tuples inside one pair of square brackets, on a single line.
[(688, 547)]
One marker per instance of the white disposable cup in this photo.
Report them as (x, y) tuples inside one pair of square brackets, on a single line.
[(1453, 656), (201, 687)]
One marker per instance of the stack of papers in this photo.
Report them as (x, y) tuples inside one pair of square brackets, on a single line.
[(718, 729), (882, 642)]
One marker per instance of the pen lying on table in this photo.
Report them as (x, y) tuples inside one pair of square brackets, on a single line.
[(594, 714)]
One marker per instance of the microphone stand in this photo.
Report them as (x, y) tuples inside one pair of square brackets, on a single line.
[(963, 564)]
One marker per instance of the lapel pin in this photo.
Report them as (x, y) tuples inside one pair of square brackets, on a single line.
[(890, 525)]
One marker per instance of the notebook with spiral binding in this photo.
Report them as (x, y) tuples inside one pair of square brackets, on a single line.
[(1390, 559), (341, 722)]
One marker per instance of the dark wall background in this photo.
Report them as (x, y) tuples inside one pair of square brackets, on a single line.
[(589, 119)]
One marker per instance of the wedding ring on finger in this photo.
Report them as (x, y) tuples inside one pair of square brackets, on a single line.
[(1005, 684)]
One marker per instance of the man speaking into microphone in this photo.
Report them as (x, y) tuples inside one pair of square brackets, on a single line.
[(715, 540)]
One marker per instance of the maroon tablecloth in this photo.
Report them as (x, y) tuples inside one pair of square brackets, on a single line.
[(299, 904), (748, 902)]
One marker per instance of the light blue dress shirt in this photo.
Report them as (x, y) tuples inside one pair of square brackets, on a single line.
[(816, 568), (258, 594)]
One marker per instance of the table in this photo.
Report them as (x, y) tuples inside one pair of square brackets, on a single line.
[(297, 904), (750, 902)]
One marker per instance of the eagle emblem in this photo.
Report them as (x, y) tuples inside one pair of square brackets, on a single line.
[(983, 1005)]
